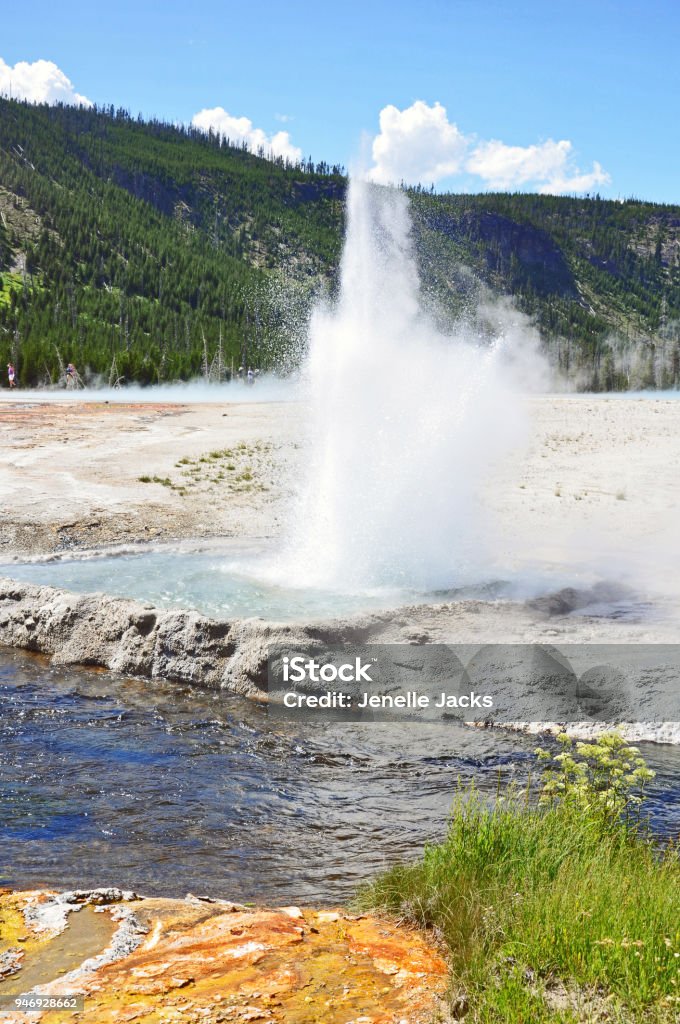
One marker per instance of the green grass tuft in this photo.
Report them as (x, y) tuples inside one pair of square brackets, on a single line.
[(561, 909)]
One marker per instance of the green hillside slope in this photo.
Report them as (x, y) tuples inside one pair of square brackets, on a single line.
[(152, 252), (600, 279), (143, 244)]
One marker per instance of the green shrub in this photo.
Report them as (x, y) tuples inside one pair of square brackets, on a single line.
[(554, 906)]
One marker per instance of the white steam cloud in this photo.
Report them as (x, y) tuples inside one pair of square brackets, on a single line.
[(405, 422), (242, 129), (39, 82), (421, 144)]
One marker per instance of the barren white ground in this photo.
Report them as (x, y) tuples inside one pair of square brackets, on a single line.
[(593, 494)]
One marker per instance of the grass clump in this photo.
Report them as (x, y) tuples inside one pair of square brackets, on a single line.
[(164, 480), (554, 905)]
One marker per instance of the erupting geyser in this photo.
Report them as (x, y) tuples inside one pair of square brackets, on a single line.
[(404, 421)]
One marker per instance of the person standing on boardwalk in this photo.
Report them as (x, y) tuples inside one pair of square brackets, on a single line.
[(11, 375)]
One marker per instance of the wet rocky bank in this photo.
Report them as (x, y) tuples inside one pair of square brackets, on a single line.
[(137, 639)]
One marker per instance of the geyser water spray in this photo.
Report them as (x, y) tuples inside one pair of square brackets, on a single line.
[(404, 422)]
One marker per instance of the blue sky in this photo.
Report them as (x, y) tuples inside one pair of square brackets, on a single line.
[(509, 78)]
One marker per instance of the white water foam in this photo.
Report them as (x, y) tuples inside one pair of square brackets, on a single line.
[(404, 421)]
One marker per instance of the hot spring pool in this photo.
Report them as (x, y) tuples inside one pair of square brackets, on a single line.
[(236, 580), (220, 584)]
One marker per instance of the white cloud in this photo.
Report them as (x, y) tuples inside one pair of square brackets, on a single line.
[(416, 144), (504, 166), (39, 82), (421, 144), (241, 129), (562, 184), (547, 166)]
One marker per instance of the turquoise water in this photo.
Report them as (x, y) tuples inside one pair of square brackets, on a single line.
[(219, 584)]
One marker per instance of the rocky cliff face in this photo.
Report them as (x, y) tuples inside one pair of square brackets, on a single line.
[(513, 253)]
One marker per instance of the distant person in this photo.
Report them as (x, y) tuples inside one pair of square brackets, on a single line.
[(11, 375), (251, 376), (71, 375)]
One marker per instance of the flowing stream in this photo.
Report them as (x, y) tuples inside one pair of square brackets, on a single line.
[(168, 789)]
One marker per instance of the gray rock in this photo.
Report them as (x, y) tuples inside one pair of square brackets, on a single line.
[(10, 961), (137, 639)]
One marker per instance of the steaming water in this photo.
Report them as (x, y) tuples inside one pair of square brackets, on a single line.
[(223, 582), (268, 388), (231, 581), (165, 789), (403, 423)]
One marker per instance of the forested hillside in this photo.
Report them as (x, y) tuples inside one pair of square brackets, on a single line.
[(600, 279), (134, 248), (150, 252)]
